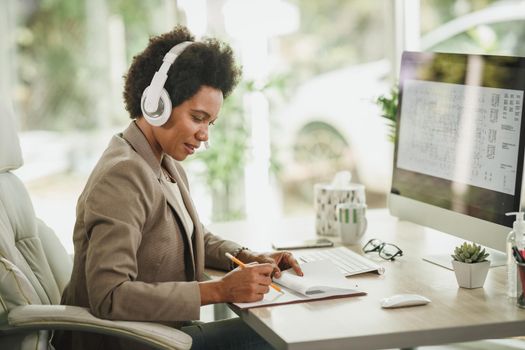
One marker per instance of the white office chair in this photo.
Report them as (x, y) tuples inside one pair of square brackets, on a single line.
[(35, 268)]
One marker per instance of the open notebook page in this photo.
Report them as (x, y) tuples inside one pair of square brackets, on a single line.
[(321, 280)]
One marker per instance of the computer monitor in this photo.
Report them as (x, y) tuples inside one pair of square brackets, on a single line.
[(458, 160)]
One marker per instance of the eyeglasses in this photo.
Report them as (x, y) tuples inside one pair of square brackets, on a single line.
[(387, 251)]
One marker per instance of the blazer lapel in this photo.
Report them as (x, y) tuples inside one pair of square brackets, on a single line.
[(174, 203), (198, 241)]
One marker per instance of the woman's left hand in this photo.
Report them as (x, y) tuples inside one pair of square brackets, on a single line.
[(281, 260)]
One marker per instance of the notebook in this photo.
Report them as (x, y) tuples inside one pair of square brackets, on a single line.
[(321, 280)]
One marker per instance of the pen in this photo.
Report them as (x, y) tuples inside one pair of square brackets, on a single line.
[(243, 265), (517, 254)]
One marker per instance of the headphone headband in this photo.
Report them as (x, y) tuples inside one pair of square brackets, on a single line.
[(155, 101)]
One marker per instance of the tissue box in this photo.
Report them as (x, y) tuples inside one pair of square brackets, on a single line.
[(326, 198)]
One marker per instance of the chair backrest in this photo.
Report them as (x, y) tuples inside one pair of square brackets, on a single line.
[(34, 266)]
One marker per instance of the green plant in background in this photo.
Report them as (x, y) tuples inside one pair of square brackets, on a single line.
[(227, 156), (470, 253), (56, 70), (388, 104), (225, 160)]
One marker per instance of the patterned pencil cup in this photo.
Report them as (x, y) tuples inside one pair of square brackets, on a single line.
[(351, 222), (327, 197), (520, 284)]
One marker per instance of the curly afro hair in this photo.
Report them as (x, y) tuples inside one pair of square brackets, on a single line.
[(209, 63)]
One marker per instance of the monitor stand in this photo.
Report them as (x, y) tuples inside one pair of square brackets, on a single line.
[(496, 257)]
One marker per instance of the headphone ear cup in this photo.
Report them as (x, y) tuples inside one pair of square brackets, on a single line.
[(163, 112)]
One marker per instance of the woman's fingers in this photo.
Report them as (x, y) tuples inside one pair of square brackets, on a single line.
[(286, 260), (295, 265)]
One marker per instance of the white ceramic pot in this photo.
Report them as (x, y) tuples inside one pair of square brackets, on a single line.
[(471, 275)]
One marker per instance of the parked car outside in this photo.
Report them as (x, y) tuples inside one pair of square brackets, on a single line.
[(332, 123)]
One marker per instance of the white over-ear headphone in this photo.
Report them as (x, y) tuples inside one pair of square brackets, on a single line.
[(155, 102)]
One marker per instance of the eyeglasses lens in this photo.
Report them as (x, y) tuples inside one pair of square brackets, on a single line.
[(374, 244), (388, 251)]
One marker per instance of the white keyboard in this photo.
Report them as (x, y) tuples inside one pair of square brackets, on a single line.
[(349, 262)]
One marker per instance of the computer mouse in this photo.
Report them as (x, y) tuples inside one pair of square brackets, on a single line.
[(402, 300)]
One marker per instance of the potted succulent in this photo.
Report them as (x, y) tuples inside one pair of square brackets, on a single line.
[(470, 265)]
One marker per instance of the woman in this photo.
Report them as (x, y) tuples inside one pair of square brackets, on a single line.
[(140, 249)]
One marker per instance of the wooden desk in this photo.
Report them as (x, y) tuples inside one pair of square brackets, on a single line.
[(454, 315)]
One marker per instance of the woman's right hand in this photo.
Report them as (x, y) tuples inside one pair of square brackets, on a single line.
[(242, 285), (249, 284)]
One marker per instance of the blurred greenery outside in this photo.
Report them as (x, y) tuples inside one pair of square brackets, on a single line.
[(388, 104), (226, 159), (63, 75)]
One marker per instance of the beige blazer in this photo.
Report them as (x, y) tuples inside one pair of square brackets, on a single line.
[(133, 258)]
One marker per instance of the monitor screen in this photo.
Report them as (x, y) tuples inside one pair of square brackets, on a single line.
[(458, 144)]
